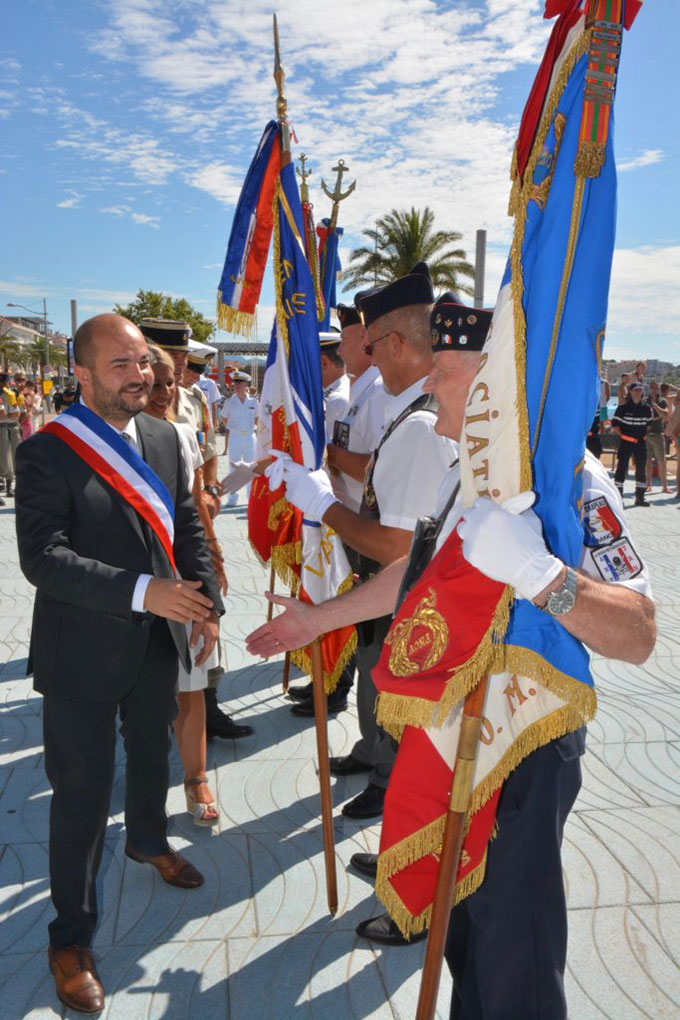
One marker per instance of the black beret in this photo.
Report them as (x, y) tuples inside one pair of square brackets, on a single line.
[(170, 334), (348, 316), (413, 289), (458, 327)]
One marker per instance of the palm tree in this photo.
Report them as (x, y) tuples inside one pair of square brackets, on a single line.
[(400, 239)]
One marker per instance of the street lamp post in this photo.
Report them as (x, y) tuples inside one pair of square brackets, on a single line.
[(12, 304)]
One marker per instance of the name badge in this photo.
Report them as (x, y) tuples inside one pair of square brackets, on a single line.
[(341, 434)]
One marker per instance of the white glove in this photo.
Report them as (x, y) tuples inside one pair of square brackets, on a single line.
[(507, 545), (241, 474), (274, 472), (309, 491)]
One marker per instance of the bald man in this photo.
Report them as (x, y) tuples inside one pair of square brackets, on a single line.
[(107, 530)]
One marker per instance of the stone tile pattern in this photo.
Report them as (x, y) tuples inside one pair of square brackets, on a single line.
[(256, 941)]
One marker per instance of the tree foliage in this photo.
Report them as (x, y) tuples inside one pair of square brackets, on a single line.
[(154, 304), (400, 239)]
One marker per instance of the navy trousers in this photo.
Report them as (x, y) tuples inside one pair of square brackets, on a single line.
[(79, 760), (507, 943)]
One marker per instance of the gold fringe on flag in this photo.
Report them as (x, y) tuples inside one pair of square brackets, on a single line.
[(394, 711), (589, 159), (233, 321), (330, 680)]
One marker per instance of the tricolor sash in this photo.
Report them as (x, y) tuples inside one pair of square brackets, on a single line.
[(121, 467)]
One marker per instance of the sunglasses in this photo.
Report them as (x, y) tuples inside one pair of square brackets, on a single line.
[(369, 347)]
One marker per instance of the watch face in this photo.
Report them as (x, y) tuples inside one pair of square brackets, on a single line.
[(561, 602)]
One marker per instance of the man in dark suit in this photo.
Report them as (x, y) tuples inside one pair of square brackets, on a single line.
[(109, 629)]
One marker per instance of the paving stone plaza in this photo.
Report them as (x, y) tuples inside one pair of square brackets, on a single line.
[(256, 941)]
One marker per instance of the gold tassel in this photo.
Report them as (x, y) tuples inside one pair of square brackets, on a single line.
[(589, 159), (234, 321)]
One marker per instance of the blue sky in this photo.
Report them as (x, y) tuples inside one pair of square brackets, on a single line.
[(128, 126)]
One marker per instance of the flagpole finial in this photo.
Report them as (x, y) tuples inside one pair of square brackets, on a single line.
[(303, 174), (337, 195), (281, 101)]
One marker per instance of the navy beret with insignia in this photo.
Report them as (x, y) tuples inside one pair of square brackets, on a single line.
[(458, 327), (413, 289), (348, 316)]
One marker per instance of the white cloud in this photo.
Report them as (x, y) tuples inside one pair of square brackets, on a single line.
[(123, 211), (646, 158), (644, 299), (145, 220), (72, 202), (116, 210)]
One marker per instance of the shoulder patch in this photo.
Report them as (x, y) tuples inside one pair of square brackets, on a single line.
[(618, 561), (600, 524)]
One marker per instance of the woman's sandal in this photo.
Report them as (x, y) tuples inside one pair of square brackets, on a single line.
[(204, 814)]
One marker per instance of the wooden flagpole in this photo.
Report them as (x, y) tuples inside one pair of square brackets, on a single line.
[(320, 708), (321, 724), (466, 757)]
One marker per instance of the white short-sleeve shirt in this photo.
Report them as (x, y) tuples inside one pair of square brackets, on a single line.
[(410, 464), (210, 388), (239, 415), (335, 403), (364, 424)]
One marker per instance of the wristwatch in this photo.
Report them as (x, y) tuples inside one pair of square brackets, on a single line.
[(212, 489), (563, 599)]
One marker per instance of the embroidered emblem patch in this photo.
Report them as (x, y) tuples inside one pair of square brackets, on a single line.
[(600, 523), (419, 642), (618, 561)]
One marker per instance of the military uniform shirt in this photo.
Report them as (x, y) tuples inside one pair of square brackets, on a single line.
[(411, 463), (335, 403), (238, 415), (192, 409), (210, 388), (364, 421)]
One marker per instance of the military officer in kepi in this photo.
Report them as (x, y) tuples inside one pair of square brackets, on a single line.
[(401, 484), (239, 413), (515, 923)]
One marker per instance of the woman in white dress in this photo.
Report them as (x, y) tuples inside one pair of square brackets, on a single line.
[(190, 722)]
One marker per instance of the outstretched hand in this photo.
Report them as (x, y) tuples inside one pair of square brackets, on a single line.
[(294, 628)]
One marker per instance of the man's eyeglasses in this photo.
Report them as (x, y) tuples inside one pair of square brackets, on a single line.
[(368, 348)]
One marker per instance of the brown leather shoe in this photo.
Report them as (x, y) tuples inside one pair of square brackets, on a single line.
[(76, 978), (172, 867)]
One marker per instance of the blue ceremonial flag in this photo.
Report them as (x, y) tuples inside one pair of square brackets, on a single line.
[(527, 415), (329, 267), (306, 555), (251, 231)]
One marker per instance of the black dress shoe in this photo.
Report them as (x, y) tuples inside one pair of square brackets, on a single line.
[(347, 766), (367, 864), (335, 702), (383, 929), (368, 804), (305, 693)]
